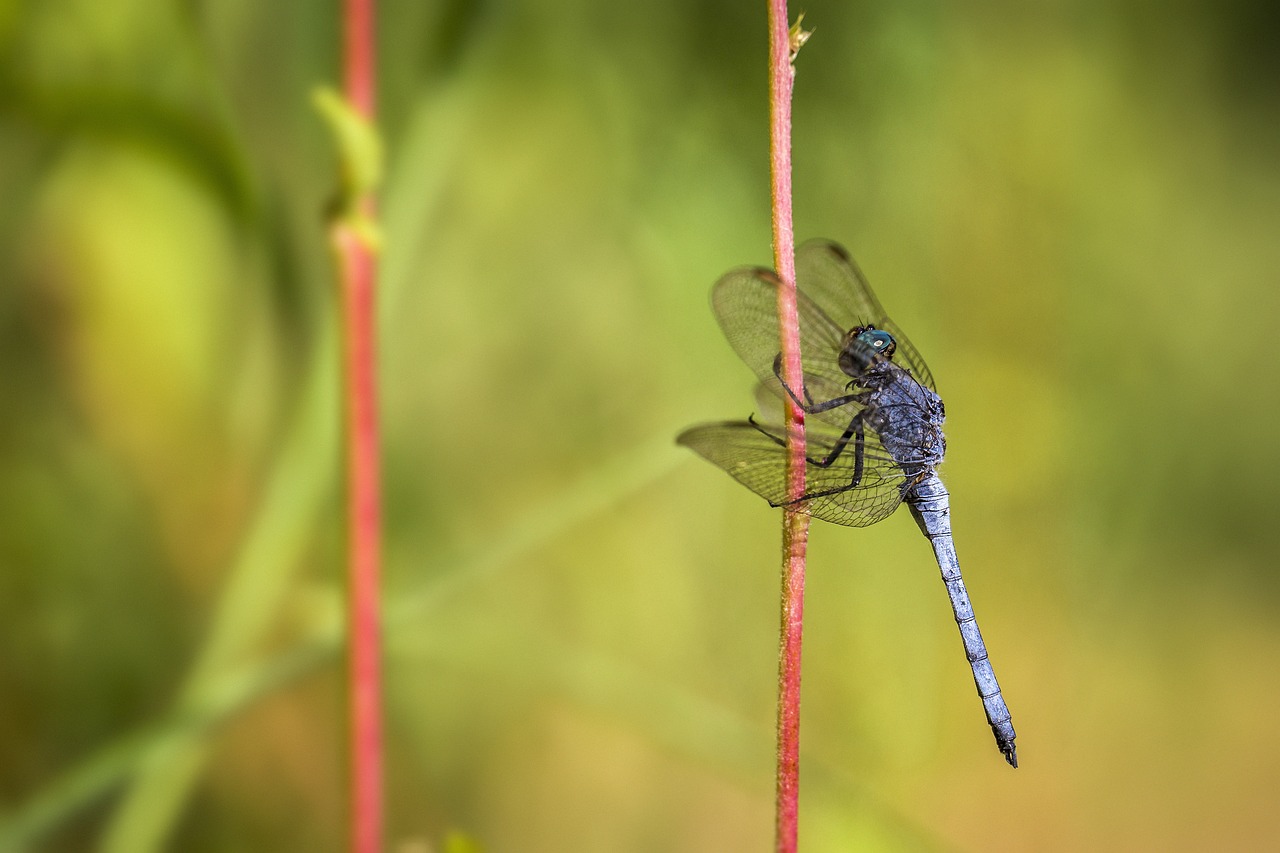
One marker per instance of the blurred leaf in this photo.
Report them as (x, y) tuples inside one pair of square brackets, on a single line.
[(169, 758), (254, 593), (223, 698), (359, 161)]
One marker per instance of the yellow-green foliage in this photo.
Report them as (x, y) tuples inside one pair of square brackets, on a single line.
[(1071, 207)]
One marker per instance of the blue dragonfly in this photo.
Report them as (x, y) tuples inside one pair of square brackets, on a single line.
[(873, 422)]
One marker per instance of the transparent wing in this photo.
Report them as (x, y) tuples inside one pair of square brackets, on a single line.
[(756, 456), (745, 301), (833, 284)]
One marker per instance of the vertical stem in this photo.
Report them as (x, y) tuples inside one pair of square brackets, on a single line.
[(795, 525), (363, 615), (358, 270), (358, 56)]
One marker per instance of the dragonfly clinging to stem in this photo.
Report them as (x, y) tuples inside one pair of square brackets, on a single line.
[(873, 425)]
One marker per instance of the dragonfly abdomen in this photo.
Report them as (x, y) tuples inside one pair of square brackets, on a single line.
[(930, 505)]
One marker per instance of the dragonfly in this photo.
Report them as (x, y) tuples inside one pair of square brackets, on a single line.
[(873, 422)]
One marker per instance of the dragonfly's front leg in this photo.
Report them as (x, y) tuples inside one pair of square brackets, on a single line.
[(808, 406)]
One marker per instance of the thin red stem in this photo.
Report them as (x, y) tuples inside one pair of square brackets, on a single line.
[(359, 273), (795, 526), (358, 55), (364, 617)]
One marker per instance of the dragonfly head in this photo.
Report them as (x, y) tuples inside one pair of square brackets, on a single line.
[(865, 346)]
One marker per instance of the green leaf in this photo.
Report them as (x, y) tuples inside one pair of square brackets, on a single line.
[(359, 162)]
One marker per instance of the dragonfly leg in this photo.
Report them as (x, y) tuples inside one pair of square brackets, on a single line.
[(858, 448), (808, 406), (854, 432), (854, 429)]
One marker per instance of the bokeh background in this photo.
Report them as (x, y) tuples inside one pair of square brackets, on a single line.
[(1073, 207)]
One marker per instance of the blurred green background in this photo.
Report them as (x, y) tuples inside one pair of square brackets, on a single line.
[(1073, 207)]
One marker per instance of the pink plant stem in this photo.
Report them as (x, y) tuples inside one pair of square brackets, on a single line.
[(358, 55), (359, 271), (795, 525), (364, 617)]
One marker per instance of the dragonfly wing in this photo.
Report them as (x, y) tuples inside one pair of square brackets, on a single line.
[(756, 456), (746, 304), (828, 276)]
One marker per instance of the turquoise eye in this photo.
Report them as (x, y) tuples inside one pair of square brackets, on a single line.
[(878, 340)]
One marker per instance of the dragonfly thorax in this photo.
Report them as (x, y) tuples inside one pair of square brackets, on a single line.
[(864, 346)]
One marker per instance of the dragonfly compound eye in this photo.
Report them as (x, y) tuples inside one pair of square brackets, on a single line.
[(879, 341)]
